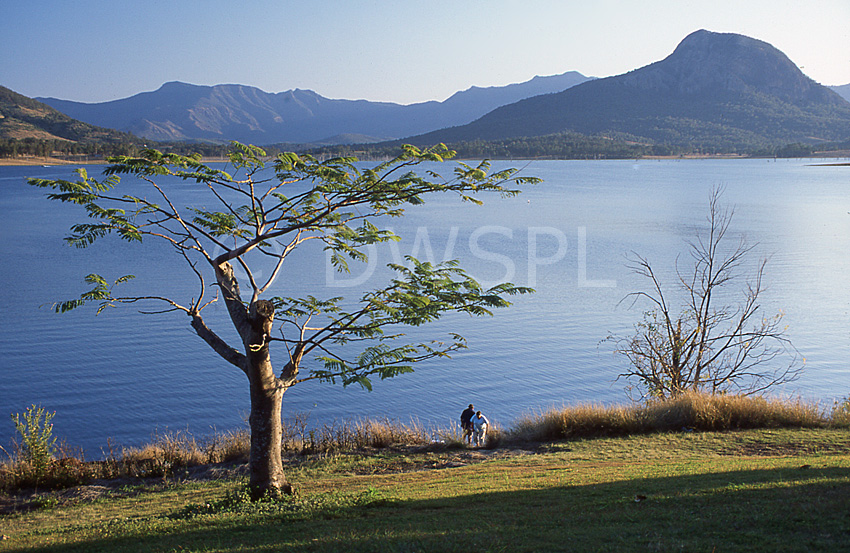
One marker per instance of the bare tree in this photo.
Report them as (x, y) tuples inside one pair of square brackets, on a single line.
[(693, 337)]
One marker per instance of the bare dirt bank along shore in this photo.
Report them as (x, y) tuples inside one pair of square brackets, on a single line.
[(38, 160)]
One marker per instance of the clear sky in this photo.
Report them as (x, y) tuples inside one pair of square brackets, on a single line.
[(383, 50)]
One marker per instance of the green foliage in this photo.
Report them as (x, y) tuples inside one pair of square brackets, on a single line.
[(565, 145), (90, 194), (46, 502), (102, 293), (290, 199), (422, 293), (794, 150), (221, 224), (38, 444)]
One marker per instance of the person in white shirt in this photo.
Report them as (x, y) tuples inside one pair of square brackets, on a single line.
[(479, 426)]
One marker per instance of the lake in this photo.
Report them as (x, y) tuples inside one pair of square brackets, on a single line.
[(122, 376)]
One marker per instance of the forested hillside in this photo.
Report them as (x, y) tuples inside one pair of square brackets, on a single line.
[(33, 128)]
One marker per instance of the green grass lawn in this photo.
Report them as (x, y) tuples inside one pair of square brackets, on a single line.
[(765, 490)]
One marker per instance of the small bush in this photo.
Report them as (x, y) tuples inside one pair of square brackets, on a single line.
[(38, 444)]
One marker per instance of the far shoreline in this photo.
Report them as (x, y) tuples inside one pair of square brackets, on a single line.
[(36, 161)]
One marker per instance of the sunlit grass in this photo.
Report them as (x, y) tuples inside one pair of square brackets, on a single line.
[(750, 490), (172, 453)]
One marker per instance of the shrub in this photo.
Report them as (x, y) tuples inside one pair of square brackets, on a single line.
[(38, 444)]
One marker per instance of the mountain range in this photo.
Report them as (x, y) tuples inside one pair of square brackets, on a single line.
[(724, 90), (180, 111), (716, 92)]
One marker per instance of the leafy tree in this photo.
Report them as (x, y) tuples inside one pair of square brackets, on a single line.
[(300, 200), (693, 337)]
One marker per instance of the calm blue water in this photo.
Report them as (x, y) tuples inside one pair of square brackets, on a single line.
[(123, 375)]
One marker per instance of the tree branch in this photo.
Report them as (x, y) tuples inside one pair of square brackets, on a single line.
[(218, 345)]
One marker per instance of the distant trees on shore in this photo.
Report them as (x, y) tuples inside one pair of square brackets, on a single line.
[(579, 146), (13, 147), (557, 146)]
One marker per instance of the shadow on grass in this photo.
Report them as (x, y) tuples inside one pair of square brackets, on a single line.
[(790, 509)]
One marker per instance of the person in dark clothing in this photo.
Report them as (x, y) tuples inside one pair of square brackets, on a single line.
[(466, 423)]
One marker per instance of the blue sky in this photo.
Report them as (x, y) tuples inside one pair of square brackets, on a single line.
[(383, 50)]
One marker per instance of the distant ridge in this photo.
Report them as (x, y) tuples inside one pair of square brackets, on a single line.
[(180, 111), (726, 90), (22, 117), (843, 91)]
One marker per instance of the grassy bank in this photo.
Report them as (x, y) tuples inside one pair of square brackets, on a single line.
[(702, 473), (175, 452), (751, 490)]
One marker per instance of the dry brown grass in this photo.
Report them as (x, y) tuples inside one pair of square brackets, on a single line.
[(166, 453), (169, 452), (733, 412), (173, 450), (702, 412), (575, 422), (361, 434)]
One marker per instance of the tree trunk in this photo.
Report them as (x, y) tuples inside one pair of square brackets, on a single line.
[(254, 326), (266, 466), (266, 395)]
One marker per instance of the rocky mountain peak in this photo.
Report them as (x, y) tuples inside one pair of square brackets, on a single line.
[(706, 63)]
